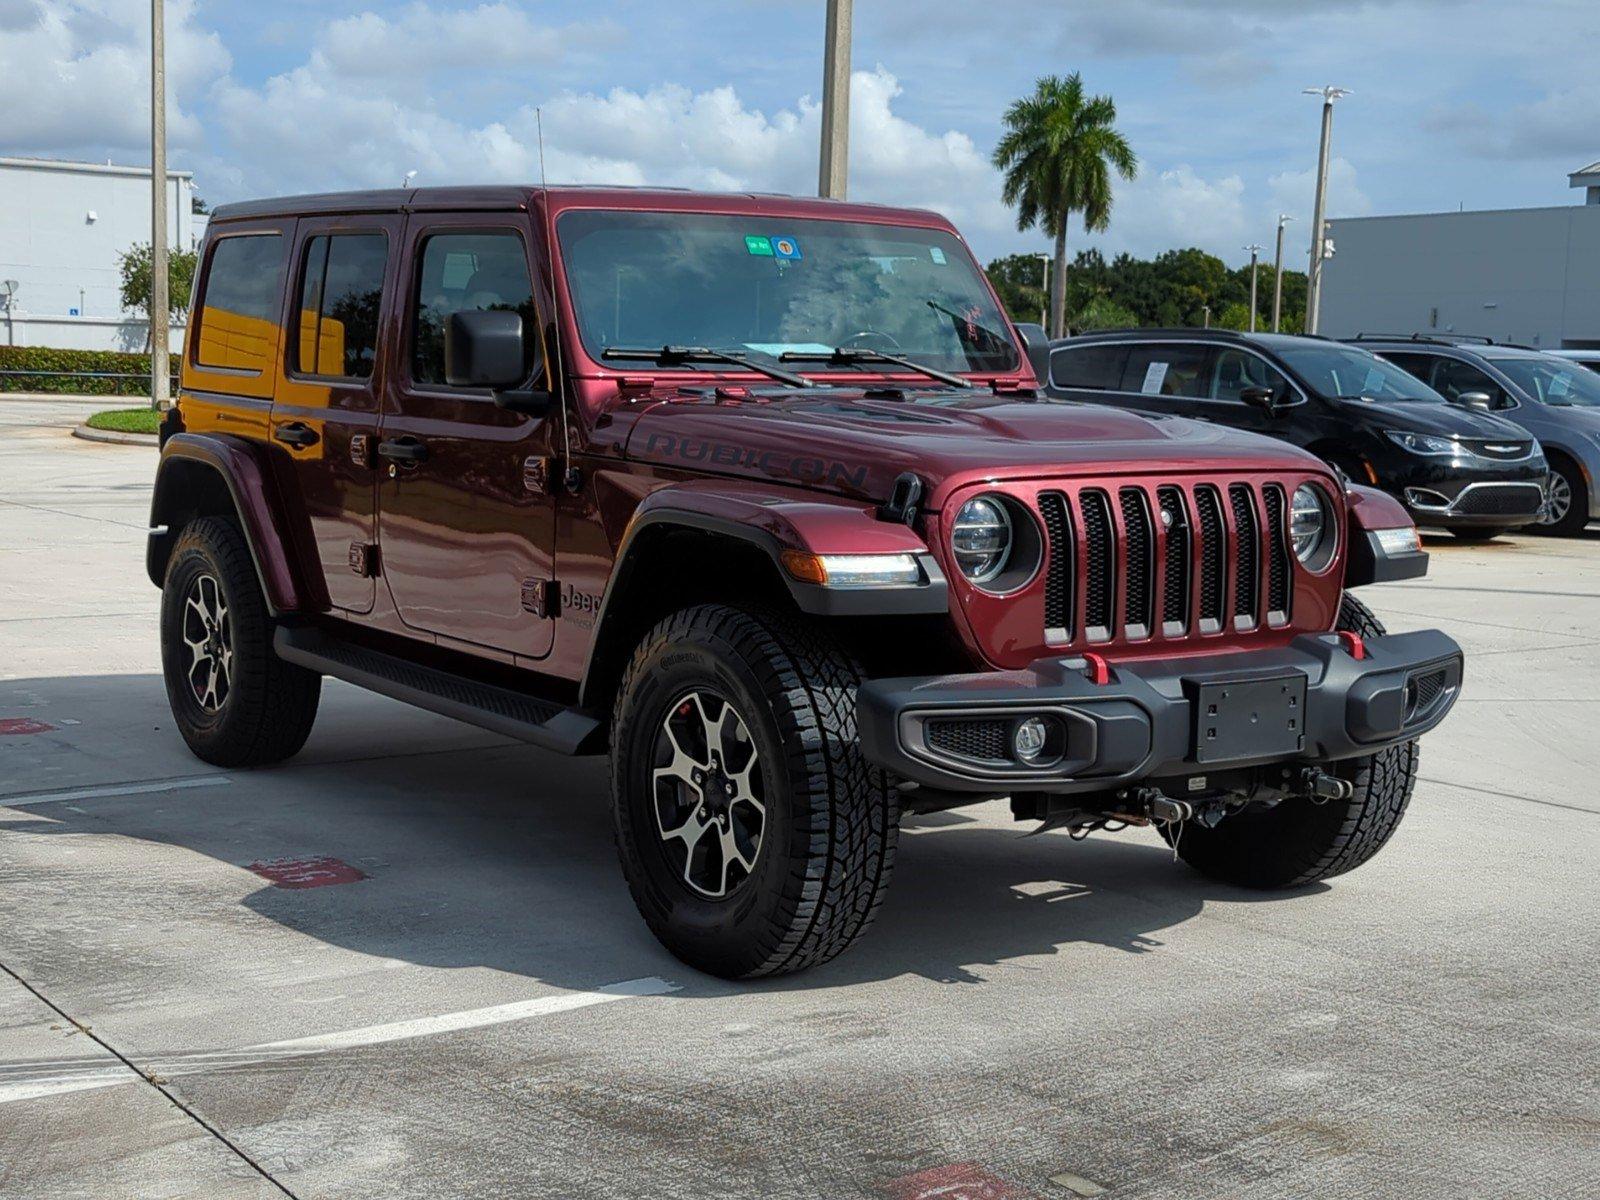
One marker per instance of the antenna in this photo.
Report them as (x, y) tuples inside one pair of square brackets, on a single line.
[(560, 379)]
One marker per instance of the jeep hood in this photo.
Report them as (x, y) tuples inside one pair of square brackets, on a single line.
[(849, 441)]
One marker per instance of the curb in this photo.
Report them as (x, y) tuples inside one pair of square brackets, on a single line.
[(112, 438)]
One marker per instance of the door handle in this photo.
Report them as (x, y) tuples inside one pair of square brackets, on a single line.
[(403, 449), (296, 434)]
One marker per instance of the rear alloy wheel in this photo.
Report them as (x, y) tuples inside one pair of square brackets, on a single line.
[(1566, 509), (1297, 842), (754, 837)]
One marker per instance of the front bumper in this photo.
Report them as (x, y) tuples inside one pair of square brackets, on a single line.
[(1310, 701)]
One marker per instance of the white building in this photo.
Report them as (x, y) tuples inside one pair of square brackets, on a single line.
[(62, 226), (1529, 275)]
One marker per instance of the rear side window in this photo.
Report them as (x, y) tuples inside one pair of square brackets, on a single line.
[(1092, 368), (1234, 370), (239, 305), (461, 272), (1166, 370), (341, 291)]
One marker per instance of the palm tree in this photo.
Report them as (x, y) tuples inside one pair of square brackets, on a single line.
[(1057, 153)]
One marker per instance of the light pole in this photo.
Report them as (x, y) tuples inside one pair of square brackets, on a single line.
[(9, 287), (1277, 285), (1044, 289), (160, 303), (1255, 254), (833, 168), (1318, 234)]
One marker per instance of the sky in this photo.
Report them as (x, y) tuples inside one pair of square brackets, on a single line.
[(1471, 103)]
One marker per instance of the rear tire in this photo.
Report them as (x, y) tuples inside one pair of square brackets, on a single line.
[(236, 703), (807, 825), (1570, 496), (1297, 842)]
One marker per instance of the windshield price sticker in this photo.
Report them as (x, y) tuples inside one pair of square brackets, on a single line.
[(1373, 382), (786, 247), (1560, 385), (936, 254), (761, 246), (1154, 376)]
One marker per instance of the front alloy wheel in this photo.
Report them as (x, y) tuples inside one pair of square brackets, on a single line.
[(708, 794)]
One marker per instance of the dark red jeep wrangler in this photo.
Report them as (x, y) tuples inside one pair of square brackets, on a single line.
[(757, 494)]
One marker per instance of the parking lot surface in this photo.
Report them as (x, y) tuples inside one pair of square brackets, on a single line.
[(405, 963)]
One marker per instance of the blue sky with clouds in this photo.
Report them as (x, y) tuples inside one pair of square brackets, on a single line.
[(1471, 103)]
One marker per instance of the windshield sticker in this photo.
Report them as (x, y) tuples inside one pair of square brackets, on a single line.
[(1154, 376), (1560, 385), (786, 247), (755, 244), (1373, 381), (936, 254), (777, 348)]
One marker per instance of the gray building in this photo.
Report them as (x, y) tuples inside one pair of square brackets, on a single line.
[(62, 227), (1529, 275)]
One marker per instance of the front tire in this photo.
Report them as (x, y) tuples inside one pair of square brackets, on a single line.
[(236, 703), (754, 837), (1297, 842), (1567, 508)]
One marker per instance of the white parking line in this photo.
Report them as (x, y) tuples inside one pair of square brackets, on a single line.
[(120, 789), (78, 1078)]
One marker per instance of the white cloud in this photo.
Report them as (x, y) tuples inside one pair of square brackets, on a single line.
[(1294, 192)]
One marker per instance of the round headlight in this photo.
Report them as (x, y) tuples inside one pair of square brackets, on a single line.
[(981, 539), (1311, 525)]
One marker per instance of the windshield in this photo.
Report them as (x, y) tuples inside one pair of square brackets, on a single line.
[(772, 286), (1552, 380), (1344, 371)]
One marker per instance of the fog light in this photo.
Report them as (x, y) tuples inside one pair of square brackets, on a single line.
[(1029, 740)]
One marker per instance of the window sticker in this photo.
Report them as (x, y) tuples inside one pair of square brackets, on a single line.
[(936, 254), (757, 245), (1560, 385), (1374, 380), (1154, 376), (786, 247), (777, 348)]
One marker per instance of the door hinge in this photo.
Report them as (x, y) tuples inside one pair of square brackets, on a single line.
[(536, 475), (361, 450), (364, 559), (542, 597)]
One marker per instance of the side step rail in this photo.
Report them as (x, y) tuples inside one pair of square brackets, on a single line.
[(528, 718)]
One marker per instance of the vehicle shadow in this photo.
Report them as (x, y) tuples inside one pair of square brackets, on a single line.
[(501, 857)]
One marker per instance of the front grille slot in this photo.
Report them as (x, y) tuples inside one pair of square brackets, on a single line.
[(1213, 557), (1139, 555), (1175, 562), (1058, 583), (1099, 542), (1277, 555), (1247, 562)]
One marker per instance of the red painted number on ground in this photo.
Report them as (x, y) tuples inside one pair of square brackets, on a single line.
[(307, 872), (960, 1181), (20, 725)]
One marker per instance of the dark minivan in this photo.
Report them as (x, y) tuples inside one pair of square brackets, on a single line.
[(1453, 467)]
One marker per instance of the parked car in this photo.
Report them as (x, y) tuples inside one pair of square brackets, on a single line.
[(1465, 471), (756, 495), (1589, 358), (1552, 398)]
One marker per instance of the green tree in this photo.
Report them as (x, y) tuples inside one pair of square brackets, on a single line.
[(1018, 278), (1057, 153), (134, 265)]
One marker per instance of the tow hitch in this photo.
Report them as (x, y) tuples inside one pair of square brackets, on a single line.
[(1317, 786)]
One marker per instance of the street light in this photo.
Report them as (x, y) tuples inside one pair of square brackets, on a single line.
[(160, 303), (1255, 253), (1314, 282), (1277, 286), (9, 287), (1044, 289), (833, 167)]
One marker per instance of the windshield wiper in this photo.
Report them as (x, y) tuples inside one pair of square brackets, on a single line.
[(673, 356), (849, 356)]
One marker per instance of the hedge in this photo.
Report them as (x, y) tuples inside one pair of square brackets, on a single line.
[(42, 358)]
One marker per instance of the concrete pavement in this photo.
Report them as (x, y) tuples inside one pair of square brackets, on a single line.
[(454, 996)]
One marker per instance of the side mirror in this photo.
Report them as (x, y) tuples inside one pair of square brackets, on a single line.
[(1037, 344), (1476, 400), (485, 348), (1259, 397)]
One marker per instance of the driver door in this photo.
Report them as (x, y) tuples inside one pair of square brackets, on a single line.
[(466, 528)]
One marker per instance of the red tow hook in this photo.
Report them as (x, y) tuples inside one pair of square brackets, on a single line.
[(1353, 644), (1100, 670)]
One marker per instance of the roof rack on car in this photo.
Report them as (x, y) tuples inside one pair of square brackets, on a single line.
[(1443, 339)]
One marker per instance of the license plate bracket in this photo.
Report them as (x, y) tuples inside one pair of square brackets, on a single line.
[(1251, 718)]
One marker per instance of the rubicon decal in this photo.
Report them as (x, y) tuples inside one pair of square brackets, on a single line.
[(772, 462)]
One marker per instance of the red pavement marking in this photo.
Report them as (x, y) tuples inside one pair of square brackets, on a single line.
[(306, 872), (959, 1181), (21, 725)]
